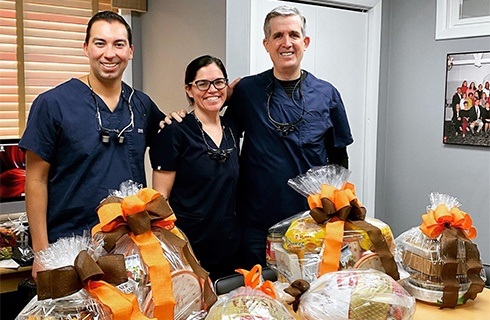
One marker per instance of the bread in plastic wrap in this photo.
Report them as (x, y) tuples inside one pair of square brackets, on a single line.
[(248, 303), (357, 295)]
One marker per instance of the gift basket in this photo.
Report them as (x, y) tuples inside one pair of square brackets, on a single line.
[(357, 295), (334, 235), (165, 275), (255, 300), (77, 283), (443, 264)]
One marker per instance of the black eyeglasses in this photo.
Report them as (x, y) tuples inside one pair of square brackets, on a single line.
[(220, 155), (285, 128), (204, 85)]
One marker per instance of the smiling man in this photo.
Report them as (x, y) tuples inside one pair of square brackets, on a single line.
[(86, 136), (292, 122)]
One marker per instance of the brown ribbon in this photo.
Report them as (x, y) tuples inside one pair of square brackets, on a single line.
[(139, 223), (356, 214), (64, 281), (449, 253), (296, 289)]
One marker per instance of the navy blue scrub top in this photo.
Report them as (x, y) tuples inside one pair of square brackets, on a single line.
[(203, 194), (63, 130), (268, 159)]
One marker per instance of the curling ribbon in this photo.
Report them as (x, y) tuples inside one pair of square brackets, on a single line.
[(334, 206), (136, 215), (453, 226), (253, 279)]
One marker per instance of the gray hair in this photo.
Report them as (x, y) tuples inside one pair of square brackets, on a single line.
[(283, 11)]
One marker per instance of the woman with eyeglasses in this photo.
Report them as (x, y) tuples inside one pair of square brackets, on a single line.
[(195, 165)]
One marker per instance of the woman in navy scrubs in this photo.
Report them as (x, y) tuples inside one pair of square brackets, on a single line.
[(195, 165)]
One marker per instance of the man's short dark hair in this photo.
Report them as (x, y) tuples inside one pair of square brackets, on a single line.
[(108, 16)]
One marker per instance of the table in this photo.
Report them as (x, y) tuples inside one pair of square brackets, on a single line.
[(477, 309), (10, 278)]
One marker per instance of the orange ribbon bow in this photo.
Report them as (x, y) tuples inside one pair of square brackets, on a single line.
[(334, 206), (137, 214), (253, 279), (435, 221)]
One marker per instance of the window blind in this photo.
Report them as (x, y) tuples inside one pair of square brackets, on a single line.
[(41, 47)]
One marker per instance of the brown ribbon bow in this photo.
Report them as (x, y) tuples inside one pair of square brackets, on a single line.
[(332, 206), (61, 282)]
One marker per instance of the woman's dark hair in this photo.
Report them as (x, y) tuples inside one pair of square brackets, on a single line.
[(108, 16), (200, 62)]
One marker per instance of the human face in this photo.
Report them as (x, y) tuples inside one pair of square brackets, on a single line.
[(211, 100), (108, 50), (286, 46)]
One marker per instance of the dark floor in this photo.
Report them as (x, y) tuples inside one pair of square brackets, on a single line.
[(477, 139)]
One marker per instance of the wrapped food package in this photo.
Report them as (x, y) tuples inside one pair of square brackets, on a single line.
[(357, 295), (443, 264), (256, 299), (71, 285), (297, 252), (164, 274), (334, 235)]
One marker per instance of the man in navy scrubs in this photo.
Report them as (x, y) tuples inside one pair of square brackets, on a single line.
[(292, 122), (86, 136)]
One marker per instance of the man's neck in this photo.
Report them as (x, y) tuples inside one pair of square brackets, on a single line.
[(287, 74), (108, 89)]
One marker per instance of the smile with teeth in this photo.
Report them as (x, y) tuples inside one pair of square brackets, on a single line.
[(286, 54), (212, 98), (109, 65)]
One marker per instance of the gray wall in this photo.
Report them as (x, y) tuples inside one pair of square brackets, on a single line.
[(175, 32), (412, 160)]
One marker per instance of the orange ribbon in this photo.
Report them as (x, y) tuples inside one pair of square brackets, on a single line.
[(336, 208), (253, 279), (137, 212), (435, 221), (122, 305)]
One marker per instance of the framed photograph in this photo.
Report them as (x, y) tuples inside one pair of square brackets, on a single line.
[(467, 100)]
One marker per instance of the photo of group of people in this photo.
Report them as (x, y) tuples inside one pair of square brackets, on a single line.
[(467, 108)]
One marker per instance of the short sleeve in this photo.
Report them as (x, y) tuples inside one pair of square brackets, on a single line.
[(43, 125), (164, 149)]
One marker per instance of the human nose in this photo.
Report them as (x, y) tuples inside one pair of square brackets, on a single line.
[(212, 87), (287, 41), (110, 52)]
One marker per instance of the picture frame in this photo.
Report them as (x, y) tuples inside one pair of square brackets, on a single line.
[(467, 99), (452, 22)]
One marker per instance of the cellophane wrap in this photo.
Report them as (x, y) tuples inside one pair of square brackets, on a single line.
[(188, 287), (357, 295), (248, 303), (422, 258), (295, 246), (77, 306)]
